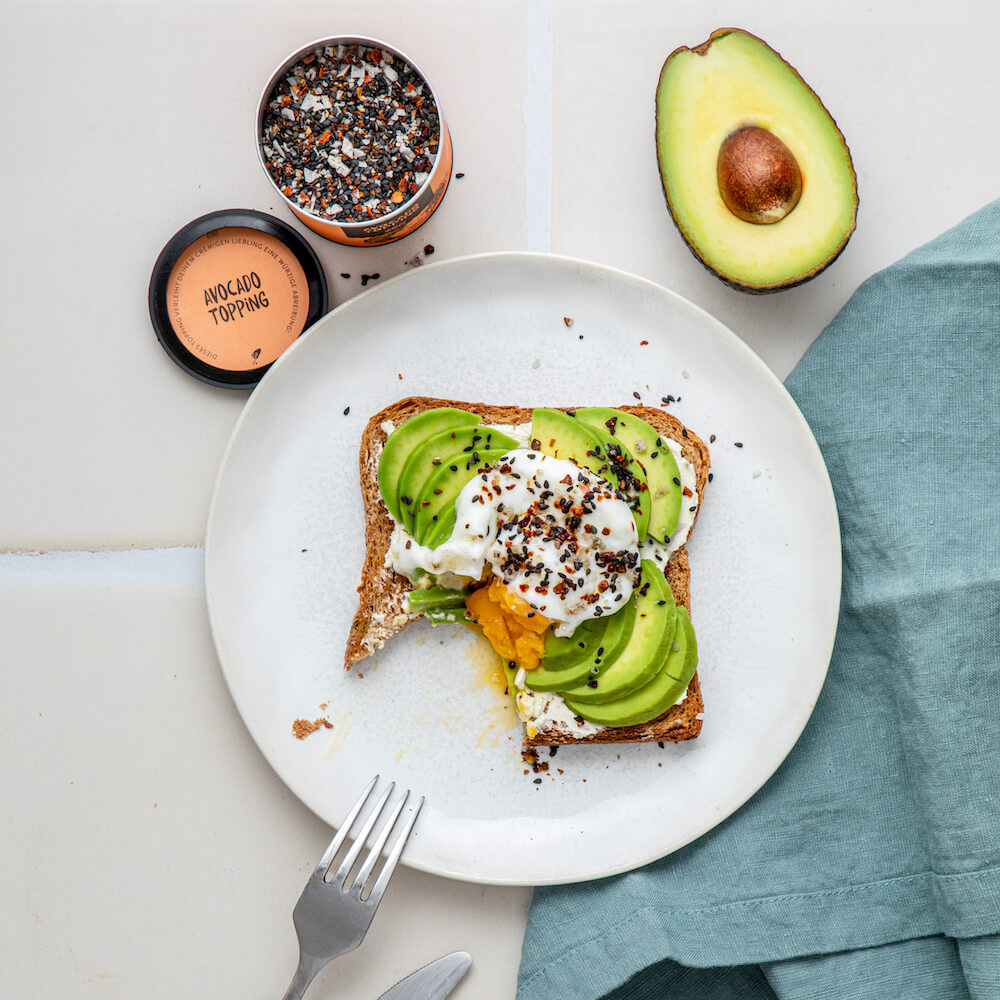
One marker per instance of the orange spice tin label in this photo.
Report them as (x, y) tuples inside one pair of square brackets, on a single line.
[(237, 298)]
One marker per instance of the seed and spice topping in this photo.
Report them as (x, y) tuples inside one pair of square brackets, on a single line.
[(559, 536), (351, 133)]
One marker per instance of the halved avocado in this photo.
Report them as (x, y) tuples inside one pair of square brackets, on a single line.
[(758, 177)]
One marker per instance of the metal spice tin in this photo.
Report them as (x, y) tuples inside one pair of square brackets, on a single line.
[(378, 228)]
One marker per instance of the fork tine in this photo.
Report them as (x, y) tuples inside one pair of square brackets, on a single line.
[(375, 896), (373, 854), (359, 841), (331, 852)]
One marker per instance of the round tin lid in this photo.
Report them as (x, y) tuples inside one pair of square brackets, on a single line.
[(231, 291)]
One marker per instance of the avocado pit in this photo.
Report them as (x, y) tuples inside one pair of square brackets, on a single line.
[(759, 177)]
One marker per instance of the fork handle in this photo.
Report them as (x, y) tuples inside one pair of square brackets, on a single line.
[(304, 975)]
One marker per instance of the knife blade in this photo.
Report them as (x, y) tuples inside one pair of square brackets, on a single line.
[(432, 982)]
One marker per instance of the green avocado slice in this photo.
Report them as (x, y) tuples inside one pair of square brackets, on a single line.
[(612, 641), (425, 459), (561, 435), (653, 699), (663, 478), (443, 486), (443, 528), (437, 597), (623, 468), (648, 645), (564, 651), (405, 438)]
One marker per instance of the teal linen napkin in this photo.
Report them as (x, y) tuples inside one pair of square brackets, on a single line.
[(876, 845)]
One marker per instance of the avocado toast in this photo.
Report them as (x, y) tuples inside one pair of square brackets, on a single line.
[(594, 626)]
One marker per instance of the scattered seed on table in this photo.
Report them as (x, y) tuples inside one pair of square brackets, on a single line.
[(347, 410), (459, 176), (739, 444), (344, 275), (351, 133), (429, 249)]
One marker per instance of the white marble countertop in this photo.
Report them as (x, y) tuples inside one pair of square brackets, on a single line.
[(149, 849)]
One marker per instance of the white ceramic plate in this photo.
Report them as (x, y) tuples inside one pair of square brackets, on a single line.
[(285, 543)]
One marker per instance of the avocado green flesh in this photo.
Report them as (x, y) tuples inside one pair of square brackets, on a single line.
[(663, 478), (443, 486), (647, 647), (600, 657), (400, 444), (443, 528), (564, 651), (703, 96), (430, 455), (621, 467), (562, 435), (435, 597), (653, 699)]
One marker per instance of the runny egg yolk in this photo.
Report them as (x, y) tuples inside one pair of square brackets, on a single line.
[(515, 630)]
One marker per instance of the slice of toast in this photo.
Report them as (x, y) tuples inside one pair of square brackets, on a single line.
[(383, 608)]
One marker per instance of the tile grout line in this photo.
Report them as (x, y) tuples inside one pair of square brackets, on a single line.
[(538, 126), (180, 565)]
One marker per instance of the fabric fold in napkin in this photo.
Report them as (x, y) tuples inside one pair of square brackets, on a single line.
[(869, 865)]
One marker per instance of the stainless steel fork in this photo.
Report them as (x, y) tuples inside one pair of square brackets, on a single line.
[(331, 918)]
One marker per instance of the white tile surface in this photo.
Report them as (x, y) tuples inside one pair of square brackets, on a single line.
[(154, 125), (149, 850), (904, 82)]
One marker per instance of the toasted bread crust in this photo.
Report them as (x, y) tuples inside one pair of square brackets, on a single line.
[(382, 605)]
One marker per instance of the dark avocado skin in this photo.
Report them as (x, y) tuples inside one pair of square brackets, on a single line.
[(747, 288)]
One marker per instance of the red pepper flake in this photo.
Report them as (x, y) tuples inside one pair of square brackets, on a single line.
[(687, 491), (568, 320), (335, 119), (643, 343)]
